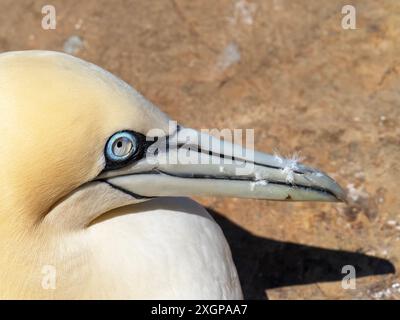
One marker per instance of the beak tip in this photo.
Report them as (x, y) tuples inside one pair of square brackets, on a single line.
[(324, 181), (343, 197), (339, 192)]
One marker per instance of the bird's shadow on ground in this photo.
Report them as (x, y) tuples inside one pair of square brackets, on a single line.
[(264, 263)]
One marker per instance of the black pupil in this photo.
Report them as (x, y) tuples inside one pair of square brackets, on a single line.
[(119, 144)]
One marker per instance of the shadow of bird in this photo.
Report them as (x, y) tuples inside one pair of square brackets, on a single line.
[(265, 264)]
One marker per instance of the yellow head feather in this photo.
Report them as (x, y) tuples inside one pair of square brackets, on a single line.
[(57, 113)]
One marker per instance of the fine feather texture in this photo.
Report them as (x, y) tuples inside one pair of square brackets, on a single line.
[(57, 114)]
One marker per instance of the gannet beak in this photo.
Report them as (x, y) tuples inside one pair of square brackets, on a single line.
[(190, 163)]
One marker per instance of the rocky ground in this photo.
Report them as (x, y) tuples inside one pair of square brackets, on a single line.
[(287, 69)]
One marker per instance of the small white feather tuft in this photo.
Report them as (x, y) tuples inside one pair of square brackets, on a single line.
[(290, 165)]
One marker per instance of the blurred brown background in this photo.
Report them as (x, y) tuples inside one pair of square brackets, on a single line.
[(287, 69)]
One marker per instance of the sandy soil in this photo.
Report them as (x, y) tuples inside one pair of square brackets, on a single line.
[(288, 70)]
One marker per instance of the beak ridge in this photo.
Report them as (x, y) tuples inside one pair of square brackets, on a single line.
[(203, 165)]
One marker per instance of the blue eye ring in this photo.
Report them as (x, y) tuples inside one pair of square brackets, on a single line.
[(118, 158), (121, 147)]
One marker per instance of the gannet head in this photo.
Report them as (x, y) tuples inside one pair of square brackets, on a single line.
[(78, 142)]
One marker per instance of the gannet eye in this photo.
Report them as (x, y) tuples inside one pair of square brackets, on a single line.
[(121, 147)]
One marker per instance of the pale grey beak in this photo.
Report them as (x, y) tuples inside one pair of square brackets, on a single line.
[(202, 165)]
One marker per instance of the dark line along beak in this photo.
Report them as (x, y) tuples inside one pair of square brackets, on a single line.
[(196, 164)]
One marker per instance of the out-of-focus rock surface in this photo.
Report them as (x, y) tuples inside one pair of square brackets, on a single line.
[(288, 70)]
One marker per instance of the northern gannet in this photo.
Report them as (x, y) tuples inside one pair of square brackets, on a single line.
[(80, 191)]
